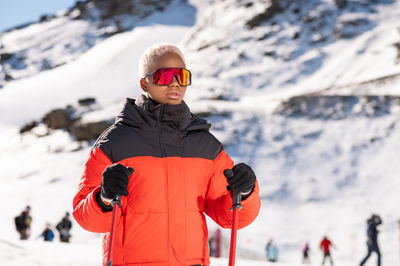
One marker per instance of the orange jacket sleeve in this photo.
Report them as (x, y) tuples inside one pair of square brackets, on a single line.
[(219, 200), (87, 212)]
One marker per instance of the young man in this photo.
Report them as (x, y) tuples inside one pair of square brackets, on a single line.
[(169, 170)]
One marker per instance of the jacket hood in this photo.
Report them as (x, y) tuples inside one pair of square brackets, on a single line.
[(143, 112)]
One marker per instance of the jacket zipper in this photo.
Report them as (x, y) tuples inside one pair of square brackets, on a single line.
[(166, 176)]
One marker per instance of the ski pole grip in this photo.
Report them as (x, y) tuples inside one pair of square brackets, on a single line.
[(237, 195), (237, 199), (116, 200)]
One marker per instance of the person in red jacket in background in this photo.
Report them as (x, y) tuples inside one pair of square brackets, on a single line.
[(169, 170), (325, 246)]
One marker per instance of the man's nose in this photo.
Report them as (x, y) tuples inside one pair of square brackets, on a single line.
[(174, 82)]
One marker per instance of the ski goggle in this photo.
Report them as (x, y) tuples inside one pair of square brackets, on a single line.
[(164, 76)]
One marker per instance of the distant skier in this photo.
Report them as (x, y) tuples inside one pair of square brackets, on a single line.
[(168, 168), (211, 245), (325, 245), (306, 253), (63, 227), (372, 233), (214, 243), (23, 223), (47, 234), (271, 251), (218, 243)]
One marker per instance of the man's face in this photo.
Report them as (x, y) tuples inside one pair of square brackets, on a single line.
[(165, 94)]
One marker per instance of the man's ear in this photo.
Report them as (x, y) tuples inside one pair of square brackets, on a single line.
[(143, 84)]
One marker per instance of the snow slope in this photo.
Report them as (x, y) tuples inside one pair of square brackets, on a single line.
[(318, 174)]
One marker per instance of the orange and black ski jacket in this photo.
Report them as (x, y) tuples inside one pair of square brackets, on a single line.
[(178, 177)]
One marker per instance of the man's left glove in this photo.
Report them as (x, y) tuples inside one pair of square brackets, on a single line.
[(242, 180)]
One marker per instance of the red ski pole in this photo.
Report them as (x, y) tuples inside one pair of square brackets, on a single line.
[(235, 221), (116, 201), (237, 197)]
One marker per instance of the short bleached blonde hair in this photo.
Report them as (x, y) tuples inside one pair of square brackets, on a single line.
[(153, 53)]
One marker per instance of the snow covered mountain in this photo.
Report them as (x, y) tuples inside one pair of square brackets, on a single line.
[(307, 92), (61, 38)]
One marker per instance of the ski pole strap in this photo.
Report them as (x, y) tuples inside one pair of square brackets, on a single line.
[(237, 198), (116, 200)]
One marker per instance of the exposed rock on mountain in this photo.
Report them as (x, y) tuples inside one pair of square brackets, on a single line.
[(338, 107), (70, 119)]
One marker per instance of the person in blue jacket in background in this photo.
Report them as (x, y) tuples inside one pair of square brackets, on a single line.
[(271, 251), (47, 234)]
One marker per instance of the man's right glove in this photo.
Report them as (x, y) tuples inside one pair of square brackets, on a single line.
[(115, 181), (241, 179)]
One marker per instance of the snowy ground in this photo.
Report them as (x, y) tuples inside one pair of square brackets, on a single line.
[(38, 253)]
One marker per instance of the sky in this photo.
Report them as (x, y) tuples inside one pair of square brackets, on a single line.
[(17, 12)]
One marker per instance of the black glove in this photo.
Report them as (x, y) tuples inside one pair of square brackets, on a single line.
[(115, 180), (241, 178)]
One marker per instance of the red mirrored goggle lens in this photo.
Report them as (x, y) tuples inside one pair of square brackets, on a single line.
[(164, 76)]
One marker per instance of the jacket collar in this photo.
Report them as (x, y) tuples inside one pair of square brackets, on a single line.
[(144, 112)]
